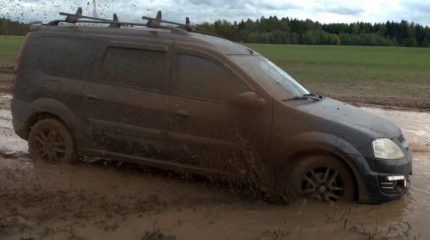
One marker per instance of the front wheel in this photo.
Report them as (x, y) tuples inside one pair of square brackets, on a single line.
[(52, 142), (324, 178)]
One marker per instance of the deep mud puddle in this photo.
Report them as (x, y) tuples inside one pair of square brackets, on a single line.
[(104, 201), (99, 201)]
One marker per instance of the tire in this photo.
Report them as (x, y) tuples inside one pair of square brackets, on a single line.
[(52, 142), (311, 179)]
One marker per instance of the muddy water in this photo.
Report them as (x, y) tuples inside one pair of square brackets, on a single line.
[(106, 201)]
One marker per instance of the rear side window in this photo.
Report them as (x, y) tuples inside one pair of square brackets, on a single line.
[(64, 57), (204, 79), (145, 69)]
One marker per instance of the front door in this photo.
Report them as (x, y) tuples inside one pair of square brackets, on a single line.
[(207, 129), (126, 104)]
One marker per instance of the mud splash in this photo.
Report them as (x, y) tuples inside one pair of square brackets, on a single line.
[(11, 145), (5, 101)]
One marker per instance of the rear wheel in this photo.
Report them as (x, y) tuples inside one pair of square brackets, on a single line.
[(52, 142), (324, 178)]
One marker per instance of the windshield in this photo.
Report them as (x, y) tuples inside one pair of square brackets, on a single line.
[(271, 77)]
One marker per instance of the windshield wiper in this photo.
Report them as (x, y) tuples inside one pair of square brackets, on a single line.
[(312, 96)]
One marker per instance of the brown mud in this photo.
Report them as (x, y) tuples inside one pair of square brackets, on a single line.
[(105, 200)]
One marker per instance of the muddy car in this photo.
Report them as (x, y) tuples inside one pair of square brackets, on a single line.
[(177, 99)]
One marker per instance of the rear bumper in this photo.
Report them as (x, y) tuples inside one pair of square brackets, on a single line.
[(19, 117), (390, 182)]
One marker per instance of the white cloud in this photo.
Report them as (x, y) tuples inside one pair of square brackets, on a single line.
[(324, 11)]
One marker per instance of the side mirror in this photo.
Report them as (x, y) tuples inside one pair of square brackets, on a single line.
[(249, 100)]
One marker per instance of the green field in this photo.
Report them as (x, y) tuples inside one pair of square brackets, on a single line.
[(9, 48), (376, 75)]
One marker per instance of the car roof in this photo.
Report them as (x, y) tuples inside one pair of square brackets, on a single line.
[(221, 45)]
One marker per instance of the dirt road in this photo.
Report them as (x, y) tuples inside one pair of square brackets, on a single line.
[(102, 200)]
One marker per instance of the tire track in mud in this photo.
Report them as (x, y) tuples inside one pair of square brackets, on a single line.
[(48, 201), (39, 192), (6, 76)]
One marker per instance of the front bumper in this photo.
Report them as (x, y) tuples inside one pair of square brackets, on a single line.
[(390, 181)]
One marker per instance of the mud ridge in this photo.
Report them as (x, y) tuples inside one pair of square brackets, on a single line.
[(7, 154), (4, 90), (7, 70), (420, 148), (390, 107)]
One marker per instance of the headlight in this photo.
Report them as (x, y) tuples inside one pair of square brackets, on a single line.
[(387, 149)]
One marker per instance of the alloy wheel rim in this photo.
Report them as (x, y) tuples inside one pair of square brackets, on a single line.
[(49, 145), (323, 184)]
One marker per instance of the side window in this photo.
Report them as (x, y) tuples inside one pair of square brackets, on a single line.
[(143, 69), (64, 57), (204, 79)]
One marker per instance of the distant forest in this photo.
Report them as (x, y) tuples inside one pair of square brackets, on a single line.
[(9, 27), (294, 31)]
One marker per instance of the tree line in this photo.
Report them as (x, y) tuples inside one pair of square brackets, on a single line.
[(9, 27), (294, 31)]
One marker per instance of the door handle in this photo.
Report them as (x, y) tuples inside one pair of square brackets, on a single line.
[(182, 113), (91, 97)]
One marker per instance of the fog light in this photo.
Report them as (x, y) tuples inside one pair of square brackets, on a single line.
[(395, 178)]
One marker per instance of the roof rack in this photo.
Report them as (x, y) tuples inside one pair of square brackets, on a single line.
[(182, 29)]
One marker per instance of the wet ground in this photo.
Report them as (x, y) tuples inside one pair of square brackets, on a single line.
[(118, 201)]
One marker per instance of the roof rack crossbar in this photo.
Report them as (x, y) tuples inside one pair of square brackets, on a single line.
[(73, 18), (156, 23), (115, 19)]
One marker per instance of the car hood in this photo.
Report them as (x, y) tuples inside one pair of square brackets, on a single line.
[(351, 116)]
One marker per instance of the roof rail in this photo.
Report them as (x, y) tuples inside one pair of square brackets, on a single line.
[(115, 23), (183, 29)]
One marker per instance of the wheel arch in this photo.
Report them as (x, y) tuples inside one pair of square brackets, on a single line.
[(310, 144), (50, 108)]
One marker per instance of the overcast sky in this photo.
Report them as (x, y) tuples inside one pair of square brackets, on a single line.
[(325, 11)]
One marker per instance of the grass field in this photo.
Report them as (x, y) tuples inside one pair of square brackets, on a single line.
[(389, 76), (9, 48)]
